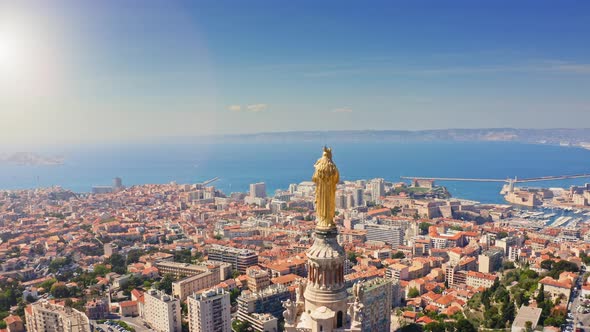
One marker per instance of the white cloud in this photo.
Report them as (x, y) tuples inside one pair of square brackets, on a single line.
[(579, 68), (342, 110), (257, 107), (235, 108)]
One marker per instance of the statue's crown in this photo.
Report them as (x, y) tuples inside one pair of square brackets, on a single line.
[(328, 152)]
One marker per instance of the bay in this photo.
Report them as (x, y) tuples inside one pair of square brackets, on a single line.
[(238, 165)]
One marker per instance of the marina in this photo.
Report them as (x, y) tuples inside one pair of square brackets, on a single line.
[(566, 218)]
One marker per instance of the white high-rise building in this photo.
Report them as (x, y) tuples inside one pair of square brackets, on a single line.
[(377, 187), (349, 201), (162, 311), (209, 311), (46, 317), (341, 201), (358, 197), (258, 190)]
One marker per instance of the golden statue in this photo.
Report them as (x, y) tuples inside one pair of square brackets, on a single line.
[(326, 177)]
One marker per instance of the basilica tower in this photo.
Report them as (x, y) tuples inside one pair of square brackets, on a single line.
[(322, 302)]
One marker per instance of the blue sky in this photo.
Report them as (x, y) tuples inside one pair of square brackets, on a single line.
[(114, 70)]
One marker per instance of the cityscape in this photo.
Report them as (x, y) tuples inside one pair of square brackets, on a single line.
[(294, 166), (393, 256)]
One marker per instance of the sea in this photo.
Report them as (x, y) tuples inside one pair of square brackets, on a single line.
[(278, 165)]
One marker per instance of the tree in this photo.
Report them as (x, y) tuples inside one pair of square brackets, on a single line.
[(240, 326), (501, 235), (413, 327), (501, 294), (508, 311), (413, 292), (424, 227), (463, 325), (117, 262), (560, 267), (59, 290), (58, 263), (541, 296), (101, 270), (166, 284), (485, 299), (492, 318), (547, 264), (546, 311), (456, 228), (518, 297), (233, 296), (68, 303), (399, 255), (555, 320), (48, 283), (352, 257), (508, 265), (133, 256), (435, 327), (183, 256), (184, 327)]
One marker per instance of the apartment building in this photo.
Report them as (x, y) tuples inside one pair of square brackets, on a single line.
[(397, 272), (268, 301), (185, 269), (392, 235), (162, 311), (209, 311), (257, 279), (184, 287), (44, 316), (240, 259), (479, 279), (377, 304)]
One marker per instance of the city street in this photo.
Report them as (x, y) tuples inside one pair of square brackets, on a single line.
[(580, 319)]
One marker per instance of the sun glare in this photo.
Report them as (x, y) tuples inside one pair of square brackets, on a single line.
[(12, 53), (27, 64)]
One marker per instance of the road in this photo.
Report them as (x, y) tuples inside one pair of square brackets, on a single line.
[(134, 322), (581, 320)]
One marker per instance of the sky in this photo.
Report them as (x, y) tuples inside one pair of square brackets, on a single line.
[(113, 71)]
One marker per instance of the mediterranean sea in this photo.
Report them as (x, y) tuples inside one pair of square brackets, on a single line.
[(238, 165)]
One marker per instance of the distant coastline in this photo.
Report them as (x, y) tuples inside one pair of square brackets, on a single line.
[(556, 136), (30, 159)]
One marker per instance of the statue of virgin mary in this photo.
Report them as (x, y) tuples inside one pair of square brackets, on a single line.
[(326, 177)]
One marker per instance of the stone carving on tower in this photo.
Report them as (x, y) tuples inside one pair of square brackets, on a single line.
[(290, 312)]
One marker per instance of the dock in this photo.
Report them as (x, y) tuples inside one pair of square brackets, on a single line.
[(508, 180)]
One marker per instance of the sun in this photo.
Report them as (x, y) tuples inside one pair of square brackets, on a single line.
[(27, 63), (16, 49), (12, 53)]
